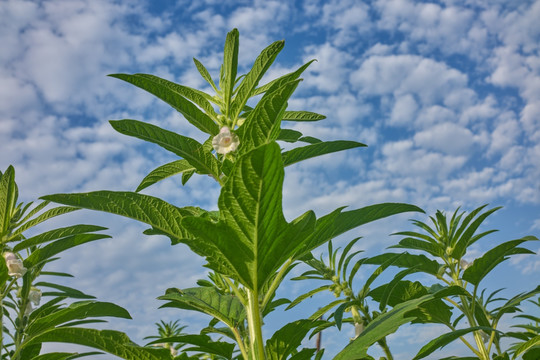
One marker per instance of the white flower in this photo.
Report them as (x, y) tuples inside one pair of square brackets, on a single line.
[(34, 296), (28, 309), (225, 141), (464, 264), (15, 266)]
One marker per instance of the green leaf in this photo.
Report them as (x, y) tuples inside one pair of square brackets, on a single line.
[(43, 217), (113, 342), (163, 172), (262, 125), (75, 311), (526, 346), (417, 244), (205, 74), (276, 83), (147, 209), (8, 198), (339, 222), (406, 260), (483, 265), (246, 88), (65, 356), (200, 343), (289, 135), (302, 116), (386, 324), (310, 151), (286, 340), (175, 95), (65, 291), (252, 240), (467, 237), (309, 294), (229, 69), (226, 308), (58, 246), (183, 146), (56, 234), (444, 340)]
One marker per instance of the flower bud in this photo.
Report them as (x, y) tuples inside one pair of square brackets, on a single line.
[(464, 264)]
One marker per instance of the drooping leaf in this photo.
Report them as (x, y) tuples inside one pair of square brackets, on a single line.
[(226, 308), (289, 135), (276, 83), (322, 148), (483, 265), (63, 291), (191, 150), (177, 96), (417, 244), (164, 171), (65, 356)]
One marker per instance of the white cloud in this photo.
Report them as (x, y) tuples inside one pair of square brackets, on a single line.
[(329, 73), (446, 137)]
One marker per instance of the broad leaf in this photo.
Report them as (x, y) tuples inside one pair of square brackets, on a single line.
[(183, 146), (406, 260), (252, 239)]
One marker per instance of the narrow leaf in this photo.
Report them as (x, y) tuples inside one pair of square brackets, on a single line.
[(318, 149), (183, 146), (163, 172), (302, 116)]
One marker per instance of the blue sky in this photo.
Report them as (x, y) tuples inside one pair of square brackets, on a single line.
[(445, 93)]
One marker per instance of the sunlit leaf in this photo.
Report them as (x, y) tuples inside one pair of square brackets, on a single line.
[(322, 148), (164, 171), (191, 150)]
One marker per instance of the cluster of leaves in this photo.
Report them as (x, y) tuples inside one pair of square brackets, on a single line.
[(25, 329), (464, 311)]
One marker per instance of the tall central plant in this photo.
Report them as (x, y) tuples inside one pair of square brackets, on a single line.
[(248, 244)]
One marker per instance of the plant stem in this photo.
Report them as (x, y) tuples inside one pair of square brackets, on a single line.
[(275, 283), (255, 326)]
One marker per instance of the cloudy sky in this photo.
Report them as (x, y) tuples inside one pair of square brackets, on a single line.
[(445, 93)]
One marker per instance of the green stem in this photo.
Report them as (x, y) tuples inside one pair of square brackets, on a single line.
[(275, 283), (255, 326), (240, 343)]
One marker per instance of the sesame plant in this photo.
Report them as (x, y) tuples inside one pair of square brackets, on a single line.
[(248, 244), (471, 315), (35, 309)]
